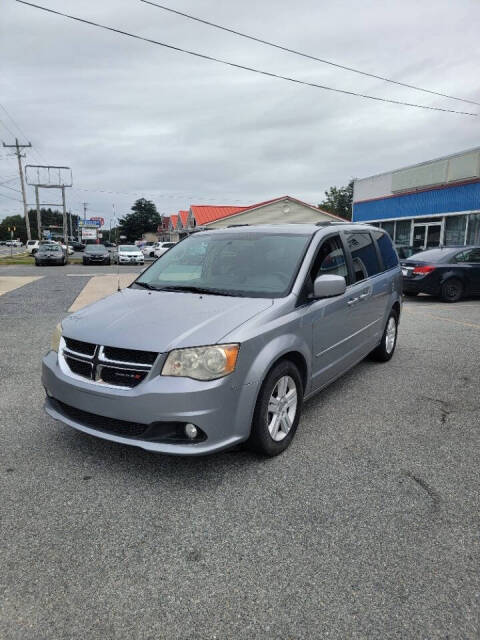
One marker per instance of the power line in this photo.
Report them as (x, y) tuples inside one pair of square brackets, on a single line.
[(4, 181), (7, 128), (243, 67), (39, 156), (306, 55), (4, 186), (3, 195)]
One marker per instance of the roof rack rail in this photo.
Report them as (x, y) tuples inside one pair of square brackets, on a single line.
[(230, 226), (327, 223)]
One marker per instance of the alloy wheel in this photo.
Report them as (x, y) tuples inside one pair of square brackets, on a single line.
[(282, 408), (390, 334)]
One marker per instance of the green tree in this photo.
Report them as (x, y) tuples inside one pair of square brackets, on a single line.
[(143, 219), (51, 220), (339, 200)]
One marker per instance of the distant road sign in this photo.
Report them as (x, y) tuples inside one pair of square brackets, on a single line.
[(89, 234), (90, 223), (101, 220)]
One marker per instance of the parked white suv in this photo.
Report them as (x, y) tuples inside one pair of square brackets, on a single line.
[(162, 247), (32, 247)]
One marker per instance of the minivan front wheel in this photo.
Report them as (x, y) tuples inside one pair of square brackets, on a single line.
[(386, 348), (278, 409)]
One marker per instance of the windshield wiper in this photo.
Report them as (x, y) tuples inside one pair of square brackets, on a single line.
[(146, 285), (192, 289)]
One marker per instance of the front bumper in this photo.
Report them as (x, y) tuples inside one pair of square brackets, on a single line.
[(131, 260), (223, 412)]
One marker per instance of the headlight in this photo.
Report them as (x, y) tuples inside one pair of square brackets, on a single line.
[(57, 334), (202, 363)]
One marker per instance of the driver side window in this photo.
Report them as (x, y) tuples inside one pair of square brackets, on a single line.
[(330, 260)]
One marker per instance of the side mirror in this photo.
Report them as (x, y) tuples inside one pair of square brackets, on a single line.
[(327, 286)]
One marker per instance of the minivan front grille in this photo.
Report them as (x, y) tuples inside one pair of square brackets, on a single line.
[(87, 348), (107, 365), (130, 355)]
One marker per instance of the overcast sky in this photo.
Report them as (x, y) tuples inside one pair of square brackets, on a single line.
[(140, 120)]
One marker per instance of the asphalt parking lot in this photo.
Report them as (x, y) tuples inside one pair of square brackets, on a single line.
[(367, 527)]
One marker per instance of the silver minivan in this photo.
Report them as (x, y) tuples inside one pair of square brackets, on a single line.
[(222, 339)]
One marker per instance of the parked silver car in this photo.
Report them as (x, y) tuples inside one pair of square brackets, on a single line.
[(222, 339)]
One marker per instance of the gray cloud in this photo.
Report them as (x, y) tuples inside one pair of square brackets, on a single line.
[(141, 120)]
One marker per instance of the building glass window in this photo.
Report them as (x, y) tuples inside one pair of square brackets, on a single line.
[(455, 230), (389, 227), (473, 233), (402, 236)]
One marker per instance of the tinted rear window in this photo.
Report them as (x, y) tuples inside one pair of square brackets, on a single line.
[(364, 255), (433, 255), (387, 251)]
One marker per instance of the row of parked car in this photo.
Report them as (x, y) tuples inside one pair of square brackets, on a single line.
[(51, 252)]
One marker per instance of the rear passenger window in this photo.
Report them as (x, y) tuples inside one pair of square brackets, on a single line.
[(364, 255), (387, 251), (471, 255)]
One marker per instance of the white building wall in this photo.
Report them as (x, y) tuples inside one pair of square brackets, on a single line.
[(374, 187), (275, 213)]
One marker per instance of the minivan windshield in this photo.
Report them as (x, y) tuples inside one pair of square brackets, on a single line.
[(254, 264)]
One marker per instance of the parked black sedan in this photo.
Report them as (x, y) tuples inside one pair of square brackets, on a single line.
[(96, 254), (447, 272), (49, 254)]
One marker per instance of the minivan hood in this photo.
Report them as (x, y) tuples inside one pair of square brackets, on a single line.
[(161, 320)]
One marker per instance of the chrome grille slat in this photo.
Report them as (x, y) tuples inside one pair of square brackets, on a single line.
[(119, 373)]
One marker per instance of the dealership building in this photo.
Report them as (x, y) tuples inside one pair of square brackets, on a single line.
[(434, 203)]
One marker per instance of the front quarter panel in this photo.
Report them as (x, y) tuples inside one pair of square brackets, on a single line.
[(268, 339)]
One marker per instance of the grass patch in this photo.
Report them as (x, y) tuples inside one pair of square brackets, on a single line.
[(29, 260)]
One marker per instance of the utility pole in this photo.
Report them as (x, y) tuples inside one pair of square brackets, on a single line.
[(39, 219), (65, 224), (71, 225), (85, 210), (19, 155)]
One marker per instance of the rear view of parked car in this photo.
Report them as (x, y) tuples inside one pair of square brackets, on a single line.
[(95, 254), (220, 341), (49, 254), (162, 247), (449, 273)]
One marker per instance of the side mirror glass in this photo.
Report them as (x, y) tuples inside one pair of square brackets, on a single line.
[(328, 286)]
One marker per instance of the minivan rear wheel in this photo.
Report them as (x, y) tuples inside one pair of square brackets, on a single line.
[(386, 348), (278, 409)]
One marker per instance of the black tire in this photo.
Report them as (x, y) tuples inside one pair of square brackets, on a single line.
[(108, 261), (410, 294), (260, 439), (34, 251), (84, 262), (38, 264), (64, 262), (383, 353), (452, 290)]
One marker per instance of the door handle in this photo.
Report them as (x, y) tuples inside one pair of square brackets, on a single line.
[(352, 301), (364, 295)]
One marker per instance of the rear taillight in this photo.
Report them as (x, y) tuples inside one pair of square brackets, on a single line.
[(424, 270)]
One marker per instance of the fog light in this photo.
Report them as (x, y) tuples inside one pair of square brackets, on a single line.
[(191, 431)]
